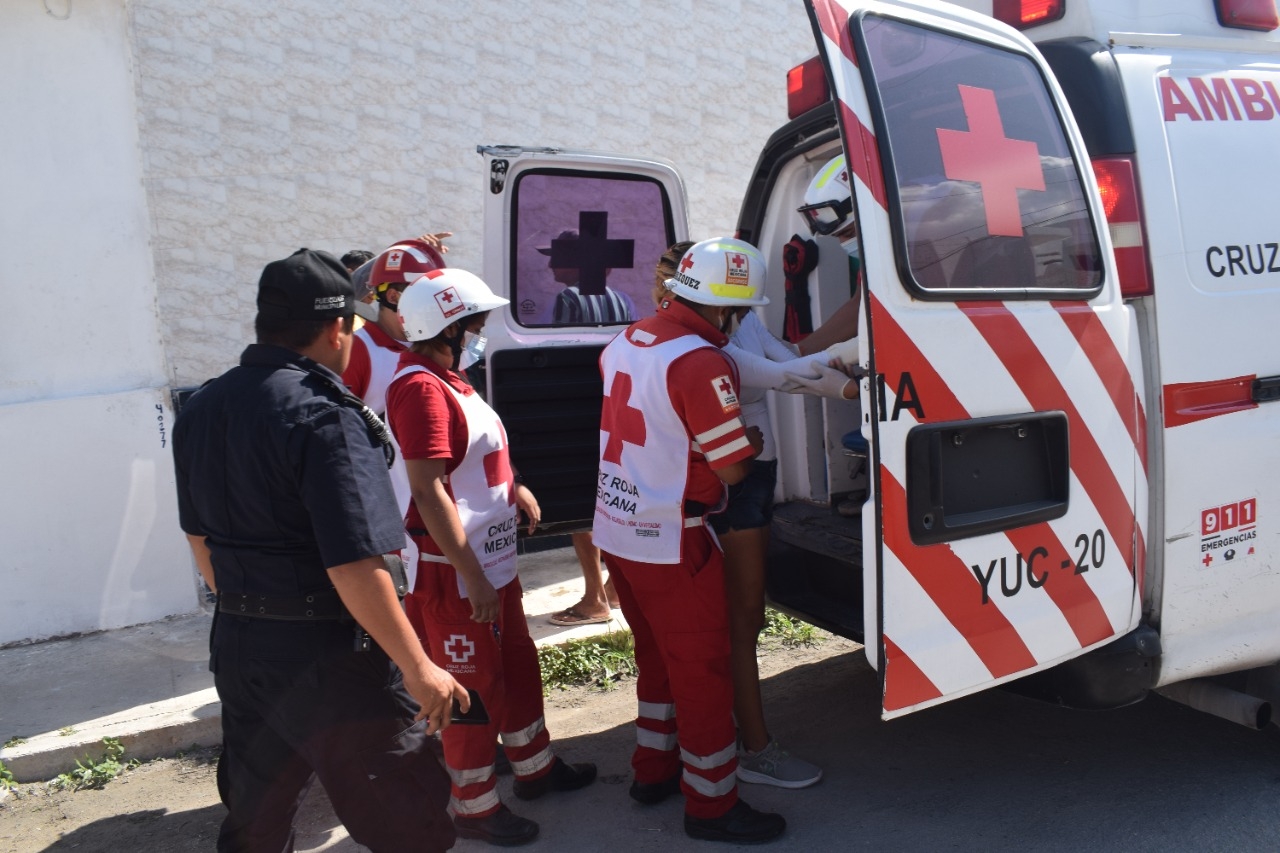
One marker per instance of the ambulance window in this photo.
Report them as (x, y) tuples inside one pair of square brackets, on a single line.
[(584, 247), (988, 196)]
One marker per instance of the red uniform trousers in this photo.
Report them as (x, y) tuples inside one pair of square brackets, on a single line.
[(679, 618), (500, 662)]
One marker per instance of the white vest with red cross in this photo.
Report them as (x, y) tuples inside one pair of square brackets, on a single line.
[(383, 362), (483, 490), (644, 451), (382, 367)]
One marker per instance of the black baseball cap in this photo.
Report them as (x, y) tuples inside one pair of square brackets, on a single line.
[(571, 234), (307, 285)]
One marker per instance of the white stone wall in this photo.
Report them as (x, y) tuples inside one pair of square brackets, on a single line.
[(89, 534), (340, 124)]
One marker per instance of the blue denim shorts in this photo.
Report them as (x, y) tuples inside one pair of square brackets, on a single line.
[(750, 502)]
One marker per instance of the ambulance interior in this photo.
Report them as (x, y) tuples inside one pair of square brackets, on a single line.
[(816, 535)]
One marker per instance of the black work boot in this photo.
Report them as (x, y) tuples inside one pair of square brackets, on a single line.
[(563, 777), (739, 825), (652, 793), (504, 828)]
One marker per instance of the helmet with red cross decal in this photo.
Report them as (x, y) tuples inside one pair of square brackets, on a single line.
[(722, 271), (442, 297), (828, 204), (405, 262)]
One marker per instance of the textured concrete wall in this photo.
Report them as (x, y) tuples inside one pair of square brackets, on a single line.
[(341, 125)]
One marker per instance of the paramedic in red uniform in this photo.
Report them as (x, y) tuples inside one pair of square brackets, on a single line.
[(671, 437), (377, 346), (466, 602)]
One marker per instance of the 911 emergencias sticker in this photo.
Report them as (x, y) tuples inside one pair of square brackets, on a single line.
[(1228, 532)]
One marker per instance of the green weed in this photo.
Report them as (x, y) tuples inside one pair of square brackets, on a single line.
[(95, 774), (67, 731), (788, 630), (599, 661), (7, 782), (14, 741)]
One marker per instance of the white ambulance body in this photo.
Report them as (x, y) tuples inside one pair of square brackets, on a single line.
[(1070, 475)]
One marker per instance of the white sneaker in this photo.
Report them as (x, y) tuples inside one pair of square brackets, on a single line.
[(773, 765)]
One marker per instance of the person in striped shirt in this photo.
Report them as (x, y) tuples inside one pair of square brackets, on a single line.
[(575, 308)]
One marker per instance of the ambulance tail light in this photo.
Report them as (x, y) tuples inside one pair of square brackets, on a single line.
[(1023, 14), (806, 87), (1118, 185), (1248, 14)]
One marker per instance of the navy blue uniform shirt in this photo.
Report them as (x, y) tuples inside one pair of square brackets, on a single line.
[(282, 478)]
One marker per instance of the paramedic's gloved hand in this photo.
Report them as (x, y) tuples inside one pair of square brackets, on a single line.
[(830, 383), (846, 352)]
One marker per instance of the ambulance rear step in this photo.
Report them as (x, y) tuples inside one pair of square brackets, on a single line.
[(814, 570)]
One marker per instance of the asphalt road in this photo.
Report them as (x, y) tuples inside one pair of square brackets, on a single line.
[(990, 772)]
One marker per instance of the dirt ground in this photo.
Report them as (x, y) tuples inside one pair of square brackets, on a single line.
[(172, 804)]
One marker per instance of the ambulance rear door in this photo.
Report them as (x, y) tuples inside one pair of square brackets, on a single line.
[(1001, 406), (572, 239)]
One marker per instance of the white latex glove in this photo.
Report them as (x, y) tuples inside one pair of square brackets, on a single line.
[(846, 352), (829, 382)]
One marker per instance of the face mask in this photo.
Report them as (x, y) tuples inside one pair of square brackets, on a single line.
[(473, 345)]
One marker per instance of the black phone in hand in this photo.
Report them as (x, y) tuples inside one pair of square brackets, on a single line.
[(477, 716)]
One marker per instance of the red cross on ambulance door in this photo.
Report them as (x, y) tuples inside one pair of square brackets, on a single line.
[(1003, 532)]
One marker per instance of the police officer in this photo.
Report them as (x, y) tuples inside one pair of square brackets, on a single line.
[(671, 437), (284, 497)]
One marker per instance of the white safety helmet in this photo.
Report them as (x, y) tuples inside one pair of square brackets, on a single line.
[(722, 271), (828, 204), (442, 297)]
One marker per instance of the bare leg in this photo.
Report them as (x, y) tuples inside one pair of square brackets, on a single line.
[(595, 599), (744, 560)]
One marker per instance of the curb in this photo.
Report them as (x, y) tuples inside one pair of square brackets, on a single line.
[(145, 732)]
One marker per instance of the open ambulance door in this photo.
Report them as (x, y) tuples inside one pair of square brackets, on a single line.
[(572, 239), (1001, 406)]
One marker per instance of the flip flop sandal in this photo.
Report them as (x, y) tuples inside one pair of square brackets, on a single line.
[(571, 617)]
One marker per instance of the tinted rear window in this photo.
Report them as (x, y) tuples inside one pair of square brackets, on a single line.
[(989, 196)]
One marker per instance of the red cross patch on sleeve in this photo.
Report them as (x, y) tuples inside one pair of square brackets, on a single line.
[(723, 386)]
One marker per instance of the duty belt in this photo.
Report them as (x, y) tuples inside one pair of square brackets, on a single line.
[(323, 606)]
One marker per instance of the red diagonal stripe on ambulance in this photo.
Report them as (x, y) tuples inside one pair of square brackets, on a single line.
[(1028, 368), (905, 684), (1109, 363), (1069, 592), (950, 584), (834, 22)]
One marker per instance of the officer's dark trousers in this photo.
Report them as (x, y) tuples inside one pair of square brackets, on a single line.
[(297, 703)]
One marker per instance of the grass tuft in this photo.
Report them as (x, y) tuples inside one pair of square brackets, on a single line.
[(94, 774), (597, 661), (787, 630)]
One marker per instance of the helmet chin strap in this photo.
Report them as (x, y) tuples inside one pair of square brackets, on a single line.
[(456, 347)]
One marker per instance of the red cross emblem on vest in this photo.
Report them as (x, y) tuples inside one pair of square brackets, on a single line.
[(984, 155), (497, 472), (620, 421)]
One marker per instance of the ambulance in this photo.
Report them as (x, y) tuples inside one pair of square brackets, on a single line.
[(1063, 471)]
